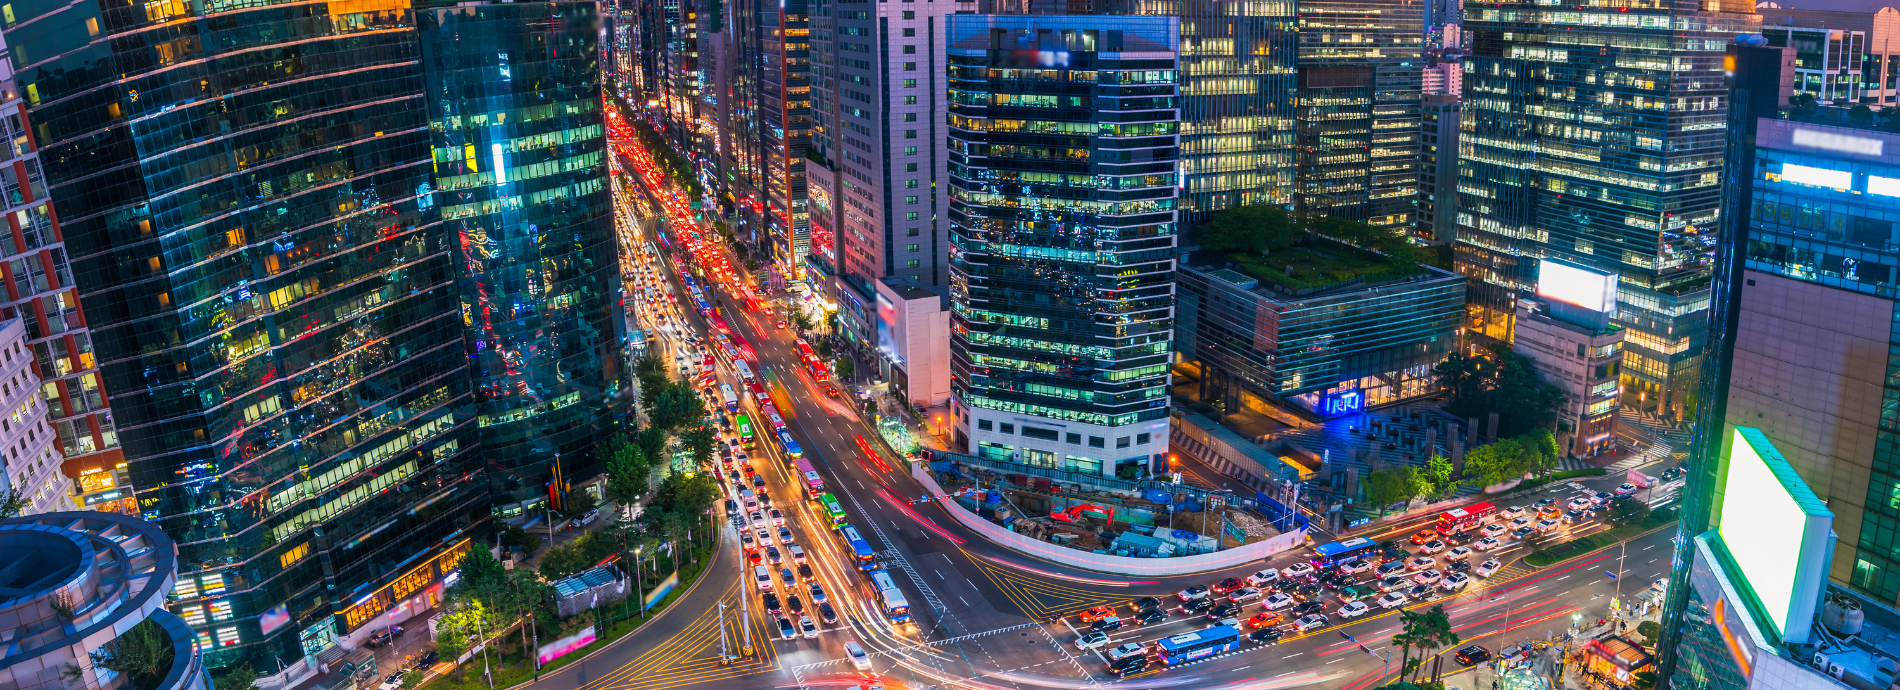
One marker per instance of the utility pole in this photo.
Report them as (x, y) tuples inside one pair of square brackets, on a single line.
[(725, 652), (639, 588), (484, 643)]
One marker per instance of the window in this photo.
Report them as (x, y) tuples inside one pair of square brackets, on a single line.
[(908, 14), (910, 199), (911, 49), (910, 232), (910, 100), (983, 424), (1095, 442), (910, 215), (909, 32), (910, 167), (1044, 434), (911, 264), (1009, 428), (910, 184), (910, 83), (910, 66), (910, 150), (910, 249), (1073, 439), (1141, 438), (1121, 442), (910, 117), (910, 134)]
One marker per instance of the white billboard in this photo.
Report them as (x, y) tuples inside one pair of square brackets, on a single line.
[(1776, 531), (1572, 284)]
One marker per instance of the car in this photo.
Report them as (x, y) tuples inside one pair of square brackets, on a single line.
[(1421, 593), (1458, 553), (1486, 568), (781, 324), (784, 535), (798, 553), (1315, 606), (391, 682), (1393, 582), (1574, 517), (1228, 622), (1543, 503), (1223, 611), (804, 572), (1428, 577), (1264, 577), (1577, 504), (1670, 474), (756, 557), (1421, 563), (1312, 622), (1461, 538), (771, 554), (1424, 535), (1129, 666), (1145, 603), (428, 658), (1455, 582), (771, 602), (1356, 567), (733, 475), (765, 534), (1227, 585), (1198, 605), (1626, 489), (794, 605), (1512, 512), (1546, 525), (1125, 650), (1150, 616), (1493, 529), (1279, 601), (1095, 614), (1296, 570), (746, 539), (1245, 594), (1264, 619), (855, 652), (1473, 655), (1391, 600), (778, 518), (1389, 567), (384, 636), (785, 575), (1192, 593), (1091, 640), (818, 593), (1106, 624), (785, 628), (1353, 609), (1433, 546), (1523, 533), (807, 627), (1459, 566), (1265, 636), (757, 481), (757, 517), (1308, 591), (1520, 523), (1602, 498)]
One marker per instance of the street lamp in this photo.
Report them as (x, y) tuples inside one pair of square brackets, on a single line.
[(639, 589)]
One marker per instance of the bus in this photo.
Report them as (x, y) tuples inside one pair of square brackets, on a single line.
[(1454, 521), (746, 437), (833, 508), (791, 447), (745, 370), (1188, 647), (812, 362), (1334, 553), (859, 548), (731, 398), (814, 482), (889, 598)]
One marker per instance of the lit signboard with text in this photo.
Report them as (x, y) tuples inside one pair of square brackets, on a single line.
[(1776, 532), (1343, 402), (1575, 285)]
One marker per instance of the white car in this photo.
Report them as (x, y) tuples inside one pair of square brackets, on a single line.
[(1353, 609), (1192, 593), (1546, 525), (809, 628), (1421, 563), (1279, 601), (1493, 529), (858, 658), (1486, 544), (1433, 546), (1391, 600), (1429, 577), (1455, 582), (1626, 489), (1127, 649), (1486, 568), (1312, 622), (778, 518), (1091, 641), (1579, 503), (1356, 567), (1458, 553), (1264, 577), (1512, 512), (1520, 523), (1297, 570)]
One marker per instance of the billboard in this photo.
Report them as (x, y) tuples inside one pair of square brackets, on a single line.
[(561, 647), (1569, 283), (1776, 532)]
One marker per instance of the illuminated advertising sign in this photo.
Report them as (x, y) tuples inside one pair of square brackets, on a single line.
[(1883, 186), (1837, 142), (1343, 402), (1572, 284), (1819, 177), (1776, 532)]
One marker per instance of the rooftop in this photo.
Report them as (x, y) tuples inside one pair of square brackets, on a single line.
[(1317, 266)]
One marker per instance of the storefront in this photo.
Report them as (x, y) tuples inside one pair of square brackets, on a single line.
[(418, 589)]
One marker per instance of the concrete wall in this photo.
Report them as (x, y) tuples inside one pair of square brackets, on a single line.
[(1256, 552)]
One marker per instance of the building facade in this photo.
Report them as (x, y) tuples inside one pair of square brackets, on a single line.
[(27, 442), (1594, 135), (1063, 133), (1329, 350), (1824, 32), (1582, 359), (913, 339), (1440, 114), (1360, 70)]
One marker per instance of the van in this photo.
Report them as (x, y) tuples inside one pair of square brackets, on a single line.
[(764, 577), (798, 553)]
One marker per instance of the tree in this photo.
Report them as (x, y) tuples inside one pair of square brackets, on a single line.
[(1496, 463), (1388, 486), (1437, 472), (675, 407), (240, 678), (579, 503), (1651, 631), (410, 680), (460, 625), (1628, 511), (627, 470), (699, 442), (1505, 383), (1542, 452), (843, 368), (142, 654), (1248, 228), (513, 536), (1425, 631), (801, 321), (12, 503)]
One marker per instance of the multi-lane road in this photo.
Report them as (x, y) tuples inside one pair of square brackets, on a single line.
[(983, 616)]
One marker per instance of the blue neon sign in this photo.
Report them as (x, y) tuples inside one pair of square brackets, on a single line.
[(1345, 402)]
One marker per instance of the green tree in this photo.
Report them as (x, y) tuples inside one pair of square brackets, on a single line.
[(240, 678), (1426, 631), (1388, 486), (1628, 511), (843, 369), (1503, 382), (1542, 452), (512, 536), (1496, 463), (579, 502), (699, 441), (12, 503), (142, 654), (1651, 631), (676, 407), (456, 633), (627, 470), (1250, 228), (801, 321), (410, 680), (1437, 473)]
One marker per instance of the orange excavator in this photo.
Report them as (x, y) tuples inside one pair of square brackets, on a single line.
[(1084, 509)]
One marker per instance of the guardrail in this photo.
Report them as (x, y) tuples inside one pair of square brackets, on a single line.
[(1257, 552)]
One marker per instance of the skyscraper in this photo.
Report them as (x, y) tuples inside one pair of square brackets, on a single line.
[(1360, 65), (1064, 141), (325, 260), (1594, 135)]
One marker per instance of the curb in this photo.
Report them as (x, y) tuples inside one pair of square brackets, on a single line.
[(1592, 552)]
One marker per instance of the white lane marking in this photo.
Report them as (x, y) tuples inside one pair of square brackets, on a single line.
[(1561, 579), (1289, 656), (1335, 661), (939, 574)]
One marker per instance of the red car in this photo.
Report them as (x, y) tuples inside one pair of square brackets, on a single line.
[(1424, 536), (1097, 613), (1228, 585)]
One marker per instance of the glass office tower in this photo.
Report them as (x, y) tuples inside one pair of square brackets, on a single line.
[(519, 158), (1063, 149), (1361, 65), (269, 238)]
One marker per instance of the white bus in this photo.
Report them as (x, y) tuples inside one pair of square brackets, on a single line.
[(745, 370), (731, 399), (889, 598)]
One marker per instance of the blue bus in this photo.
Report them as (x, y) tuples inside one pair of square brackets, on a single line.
[(791, 447), (1188, 647), (895, 606), (1334, 553), (731, 399), (860, 549)]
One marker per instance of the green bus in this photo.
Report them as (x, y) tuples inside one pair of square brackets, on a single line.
[(745, 431), (834, 508)]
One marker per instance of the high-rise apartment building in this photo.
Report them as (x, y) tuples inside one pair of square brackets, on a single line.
[(27, 447), (1360, 65), (879, 194), (347, 278), (1064, 139), (1593, 134), (1844, 49)]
